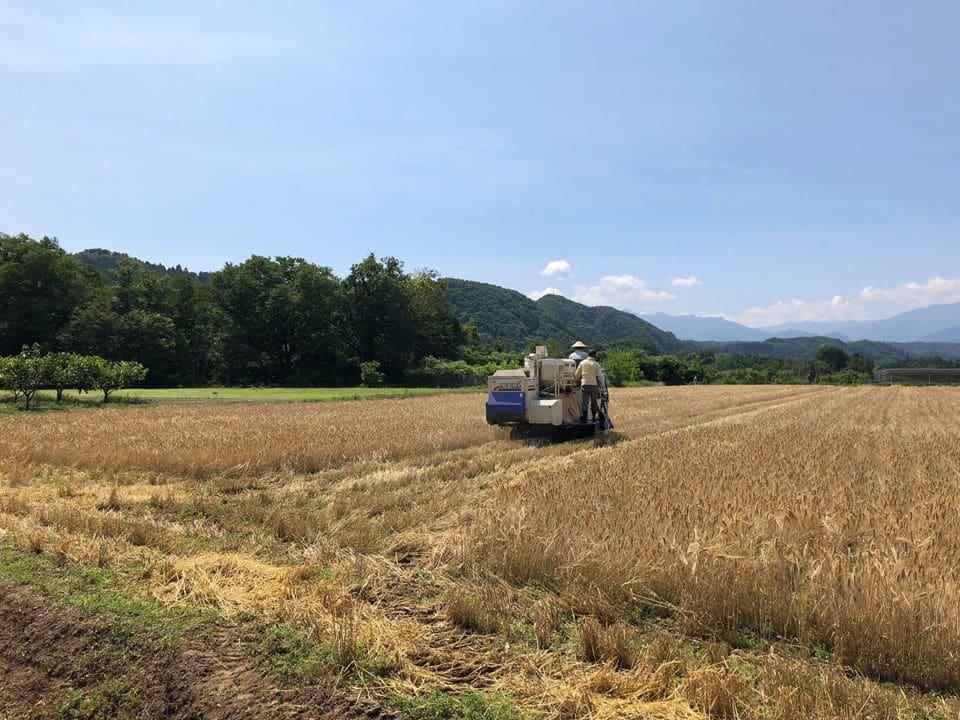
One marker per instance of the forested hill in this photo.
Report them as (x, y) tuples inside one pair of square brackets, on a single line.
[(106, 262), (516, 320)]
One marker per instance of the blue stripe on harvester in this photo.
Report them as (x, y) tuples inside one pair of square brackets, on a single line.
[(506, 402)]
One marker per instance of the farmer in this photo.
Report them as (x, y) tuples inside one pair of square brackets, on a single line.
[(579, 351), (590, 375)]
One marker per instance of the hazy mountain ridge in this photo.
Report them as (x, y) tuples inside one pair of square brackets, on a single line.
[(700, 327), (936, 323), (951, 335)]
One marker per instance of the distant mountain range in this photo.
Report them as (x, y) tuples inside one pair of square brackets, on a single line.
[(698, 327), (516, 320), (937, 323)]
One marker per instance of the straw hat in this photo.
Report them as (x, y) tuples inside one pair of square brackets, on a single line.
[(580, 346)]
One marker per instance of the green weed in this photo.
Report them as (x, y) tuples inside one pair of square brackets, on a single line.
[(474, 706), (113, 700)]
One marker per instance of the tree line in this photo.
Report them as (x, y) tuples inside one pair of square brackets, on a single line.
[(286, 321), (831, 364), (266, 321), (25, 374)]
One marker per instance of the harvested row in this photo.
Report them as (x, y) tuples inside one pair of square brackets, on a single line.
[(244, 439)]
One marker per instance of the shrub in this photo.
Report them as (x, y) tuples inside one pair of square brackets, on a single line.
[(370, 374), (623, 366), (437, 372)]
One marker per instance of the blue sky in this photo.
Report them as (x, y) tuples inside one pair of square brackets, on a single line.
[(769, 161)]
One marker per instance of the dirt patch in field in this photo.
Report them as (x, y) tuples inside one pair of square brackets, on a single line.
[(56, 662)]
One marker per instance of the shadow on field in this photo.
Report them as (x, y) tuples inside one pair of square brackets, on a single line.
[(609, 438), (604, 439), (43, 404)]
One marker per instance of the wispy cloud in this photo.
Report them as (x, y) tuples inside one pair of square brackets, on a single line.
[(687, 281), (869, 304), (537, 294), (559, 269), (48, 42), (621, 291)]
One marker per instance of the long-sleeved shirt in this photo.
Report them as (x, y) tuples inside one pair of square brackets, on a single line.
[(589, 372)]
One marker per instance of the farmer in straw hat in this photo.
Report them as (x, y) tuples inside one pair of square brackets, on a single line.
[(579, 351)]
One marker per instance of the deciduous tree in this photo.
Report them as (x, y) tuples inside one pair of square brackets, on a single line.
[(113, 376), (24, 373), (40, 287)]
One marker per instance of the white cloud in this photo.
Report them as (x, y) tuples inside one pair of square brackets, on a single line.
[(911, 295), (559, 269), (537, 294), (869, 304), (688, 281), (796, 310), (621, 291)]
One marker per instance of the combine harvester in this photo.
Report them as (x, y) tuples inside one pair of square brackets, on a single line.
[(542, 400)]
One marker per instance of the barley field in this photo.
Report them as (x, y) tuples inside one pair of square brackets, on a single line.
[(729, 552)]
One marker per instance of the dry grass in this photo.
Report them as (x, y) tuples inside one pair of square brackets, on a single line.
[(767, 553), (475, 607), (244, 439), (827, 522), (612, 643)]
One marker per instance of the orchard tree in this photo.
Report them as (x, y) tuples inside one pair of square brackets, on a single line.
[(60, 371), (87, 373), (5, 381), (24, 374), (113, 376)]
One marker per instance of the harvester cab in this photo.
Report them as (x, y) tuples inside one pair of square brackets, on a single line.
[(541, 399)]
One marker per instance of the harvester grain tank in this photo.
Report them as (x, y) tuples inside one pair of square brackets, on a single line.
[(541, 399)]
